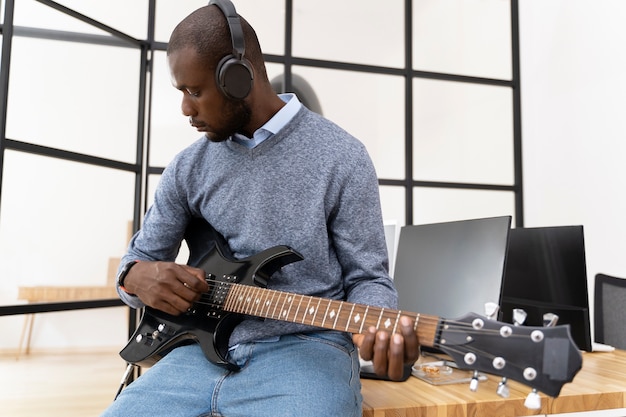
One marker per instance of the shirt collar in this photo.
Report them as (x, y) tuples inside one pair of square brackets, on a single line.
[(273, 125)]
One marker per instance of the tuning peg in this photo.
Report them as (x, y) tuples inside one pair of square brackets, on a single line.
[(503, 388), (491, 310), (533, 401), (474, 382), (550, 320), (519, 316)]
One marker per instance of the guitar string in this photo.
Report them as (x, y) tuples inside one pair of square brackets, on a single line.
[(452, 325)]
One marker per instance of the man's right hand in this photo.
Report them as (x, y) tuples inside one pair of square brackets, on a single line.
[(166, 286)]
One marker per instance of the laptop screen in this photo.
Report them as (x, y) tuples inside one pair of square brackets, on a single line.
[(453, 268)]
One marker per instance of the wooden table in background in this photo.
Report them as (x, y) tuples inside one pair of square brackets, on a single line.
[(600, 385), (41, 294)]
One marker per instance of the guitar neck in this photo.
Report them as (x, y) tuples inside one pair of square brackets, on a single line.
[(324, 313)]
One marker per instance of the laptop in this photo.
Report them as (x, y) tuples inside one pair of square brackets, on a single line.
[(449, 269), (453, 268)]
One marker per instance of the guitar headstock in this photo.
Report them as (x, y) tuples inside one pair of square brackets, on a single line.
[(544, 358)]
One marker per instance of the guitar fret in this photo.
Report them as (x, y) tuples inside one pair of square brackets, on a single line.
[(254, 301), (367, 308), (306, 310), (290, 301), (326, 312), (283, 297), (395, 326), (295, 315), (319, 301), (249, 301), (244, 300), (338, 313), (274, 295), (260, 299), (350, 317), (382, 311), (269, 303)]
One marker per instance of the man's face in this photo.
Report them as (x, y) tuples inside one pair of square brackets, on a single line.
[(209, 111)]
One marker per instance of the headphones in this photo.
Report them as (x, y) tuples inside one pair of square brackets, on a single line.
[(234, 73)]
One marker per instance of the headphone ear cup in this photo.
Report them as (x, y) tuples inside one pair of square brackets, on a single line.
[(234, 77)]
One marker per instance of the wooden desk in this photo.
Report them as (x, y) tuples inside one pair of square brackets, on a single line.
[(600, 385)]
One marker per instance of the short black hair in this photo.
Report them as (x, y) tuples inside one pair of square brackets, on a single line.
[(206, 31)]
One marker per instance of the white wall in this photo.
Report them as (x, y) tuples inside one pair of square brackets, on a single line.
[(573, 123)]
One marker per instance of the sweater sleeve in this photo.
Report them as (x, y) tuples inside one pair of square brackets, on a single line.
[(358, 236), (161, 234)]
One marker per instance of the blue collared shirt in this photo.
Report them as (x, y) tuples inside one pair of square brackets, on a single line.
[(273, 125)]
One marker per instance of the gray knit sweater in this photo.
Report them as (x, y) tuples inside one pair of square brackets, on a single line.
[(311, 186)]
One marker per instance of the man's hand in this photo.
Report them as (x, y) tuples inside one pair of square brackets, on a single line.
[(389, 353), (166, 286)]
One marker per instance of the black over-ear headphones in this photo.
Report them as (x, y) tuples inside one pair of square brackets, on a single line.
[(234, 73)]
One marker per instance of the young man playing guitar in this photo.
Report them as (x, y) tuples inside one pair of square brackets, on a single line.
[(267, 171)]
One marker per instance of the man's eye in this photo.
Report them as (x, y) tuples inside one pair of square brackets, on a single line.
[(193, 93)]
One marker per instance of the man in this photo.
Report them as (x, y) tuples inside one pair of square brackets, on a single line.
[(267, 172)]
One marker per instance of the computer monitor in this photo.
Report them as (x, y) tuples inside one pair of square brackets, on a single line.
[(453, 268), (546, 273)]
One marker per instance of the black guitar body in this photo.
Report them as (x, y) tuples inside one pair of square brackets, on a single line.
[(206, 322)]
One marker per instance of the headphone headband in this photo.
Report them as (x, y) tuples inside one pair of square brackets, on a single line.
[(234, 24), (234, 73)]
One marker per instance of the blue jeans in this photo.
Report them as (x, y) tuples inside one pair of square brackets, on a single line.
[(303, 375)]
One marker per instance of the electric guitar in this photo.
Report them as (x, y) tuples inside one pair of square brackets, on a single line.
[(544, 358)]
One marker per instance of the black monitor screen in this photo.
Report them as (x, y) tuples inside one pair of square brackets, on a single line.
[(453, 268), (546, 273)]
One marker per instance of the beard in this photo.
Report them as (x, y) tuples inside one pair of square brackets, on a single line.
[(237, 115)]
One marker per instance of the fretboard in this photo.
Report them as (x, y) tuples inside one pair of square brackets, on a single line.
[(322, 312)]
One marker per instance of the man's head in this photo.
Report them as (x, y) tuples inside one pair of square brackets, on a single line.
[(197, 45)]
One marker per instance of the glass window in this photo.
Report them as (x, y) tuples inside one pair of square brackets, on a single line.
[(370, 107), (393, 202), (170, 131), (169, 13), (267, 17), (73, 96), (355, 31), (121, 15), (434, 205), (64, 220), (462, 132), (463, 37)]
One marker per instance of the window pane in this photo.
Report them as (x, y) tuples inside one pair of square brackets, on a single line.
[(73, 96), (434, 205), (350, 31), (64, 220), (376, 117), (463, 37), (267, 17), (462, 133), (169, 13), (121, 15), (393, 204), (170, 131)]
